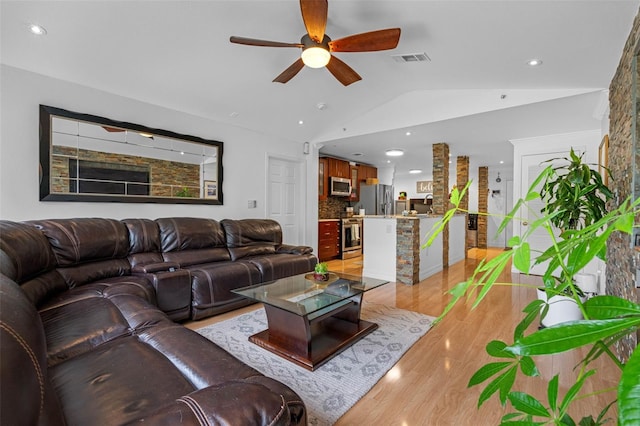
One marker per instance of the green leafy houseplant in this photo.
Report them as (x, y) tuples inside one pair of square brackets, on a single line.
[(575, 192), (321, 271), (574, 196), (607, 319)]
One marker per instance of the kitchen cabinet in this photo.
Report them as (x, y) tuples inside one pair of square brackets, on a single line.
[(365, 172), (328, 240), (323, 179), (355, 184), (362, 172), (339, 168)]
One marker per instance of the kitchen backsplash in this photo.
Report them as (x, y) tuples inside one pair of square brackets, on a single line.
[(332, 208)]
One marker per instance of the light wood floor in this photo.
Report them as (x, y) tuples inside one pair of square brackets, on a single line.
[(428, 386)]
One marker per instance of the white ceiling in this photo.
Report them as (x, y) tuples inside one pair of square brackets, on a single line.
[(177, 54)]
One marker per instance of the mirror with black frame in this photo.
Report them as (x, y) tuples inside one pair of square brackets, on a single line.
[(89, 158)]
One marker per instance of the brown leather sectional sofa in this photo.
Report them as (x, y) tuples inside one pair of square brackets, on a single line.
[(84, 339)]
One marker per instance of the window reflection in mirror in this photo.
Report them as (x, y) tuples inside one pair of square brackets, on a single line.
[(90, 158)]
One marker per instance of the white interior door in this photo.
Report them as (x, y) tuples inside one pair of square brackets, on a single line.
[(539, 240), (285, 197)]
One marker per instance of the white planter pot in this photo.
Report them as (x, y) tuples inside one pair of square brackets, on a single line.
[(561, 309)]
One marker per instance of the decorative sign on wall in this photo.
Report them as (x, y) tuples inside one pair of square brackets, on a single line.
[(424, 187)]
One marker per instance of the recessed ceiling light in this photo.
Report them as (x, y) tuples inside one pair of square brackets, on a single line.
[(357, 154), (449, 161), (415, 171), (501, 162), (394, 152), (388, 161), (300, 122), (408, 133), (534, 62), (37, 29)]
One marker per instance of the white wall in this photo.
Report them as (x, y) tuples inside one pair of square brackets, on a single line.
[(244, 160)]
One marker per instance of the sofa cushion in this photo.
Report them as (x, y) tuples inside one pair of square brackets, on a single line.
[(24, 251), (276, 266), (23, 370), (251, 237), (211, 286), (190, 233), (84, 240), (144, 241)]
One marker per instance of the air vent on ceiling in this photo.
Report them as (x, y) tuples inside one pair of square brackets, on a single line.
[(411, 57)]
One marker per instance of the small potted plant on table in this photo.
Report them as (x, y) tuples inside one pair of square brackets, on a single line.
[(321, 272)]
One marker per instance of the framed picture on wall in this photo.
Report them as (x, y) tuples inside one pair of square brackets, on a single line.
[(211, 189), (424, 187), (603, 159)]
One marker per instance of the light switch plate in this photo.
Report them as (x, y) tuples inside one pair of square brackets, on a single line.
[(252, 204)]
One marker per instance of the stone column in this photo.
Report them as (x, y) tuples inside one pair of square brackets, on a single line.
[(462, 177), (483, 204), (408, 251), (441, 192)]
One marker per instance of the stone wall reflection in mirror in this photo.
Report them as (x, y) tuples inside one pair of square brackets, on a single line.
[(90, 158)]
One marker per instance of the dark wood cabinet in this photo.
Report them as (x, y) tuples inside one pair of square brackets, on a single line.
[(323, 179), (355, 184), (365, 172), (328, 240), (339, 168)]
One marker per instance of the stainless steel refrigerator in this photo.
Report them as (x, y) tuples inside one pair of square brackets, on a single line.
[(377, 199)]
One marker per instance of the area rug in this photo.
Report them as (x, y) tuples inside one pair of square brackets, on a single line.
[(336, 386)]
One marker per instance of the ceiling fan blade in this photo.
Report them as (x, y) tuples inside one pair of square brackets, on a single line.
[(266, 43), (367, 42), (314, 15), (343, 72), (290, 72)]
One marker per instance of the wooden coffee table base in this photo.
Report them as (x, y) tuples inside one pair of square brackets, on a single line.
[(310, 342)]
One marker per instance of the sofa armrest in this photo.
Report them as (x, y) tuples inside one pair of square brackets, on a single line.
[(172, 286), (149, 268), (237, 403), (285, 248)]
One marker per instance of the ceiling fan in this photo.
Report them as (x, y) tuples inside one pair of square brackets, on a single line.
[(317, 46)]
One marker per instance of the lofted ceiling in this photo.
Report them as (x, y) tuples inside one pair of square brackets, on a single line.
[(475, 93)]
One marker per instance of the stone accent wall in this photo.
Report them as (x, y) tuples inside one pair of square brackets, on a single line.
[(621, 263), (408, 254), (483, 205), (166, 177), (441, 191), (333, 208)]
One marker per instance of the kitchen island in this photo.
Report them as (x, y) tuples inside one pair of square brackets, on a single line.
[(393, 247)]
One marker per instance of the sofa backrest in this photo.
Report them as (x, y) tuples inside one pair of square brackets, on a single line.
[(144, 241), (27, 397), (87, 249), (26, 258), (24, 251), (190, 241), (251, 237)]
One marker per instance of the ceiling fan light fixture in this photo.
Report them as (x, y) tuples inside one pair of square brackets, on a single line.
[(315, 57)]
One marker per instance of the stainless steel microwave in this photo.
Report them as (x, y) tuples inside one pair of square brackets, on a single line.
[(340, 186)]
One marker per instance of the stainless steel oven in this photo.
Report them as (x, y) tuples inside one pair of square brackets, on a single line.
[(351, 236)]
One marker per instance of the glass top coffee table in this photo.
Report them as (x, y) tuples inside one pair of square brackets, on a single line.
[(311, 321)]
